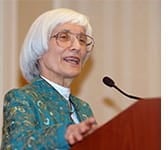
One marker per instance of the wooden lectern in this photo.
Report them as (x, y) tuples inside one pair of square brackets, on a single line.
[(136, 128)]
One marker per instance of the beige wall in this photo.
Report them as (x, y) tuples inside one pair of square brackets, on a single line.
[(8, 51), (127, 34)]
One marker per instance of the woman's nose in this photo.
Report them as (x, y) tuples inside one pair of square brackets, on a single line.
[(76, 44)]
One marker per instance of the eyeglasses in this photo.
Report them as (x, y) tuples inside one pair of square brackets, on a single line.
[(66, 38)]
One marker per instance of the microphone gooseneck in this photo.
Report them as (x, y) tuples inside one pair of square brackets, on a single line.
[(110, 83)]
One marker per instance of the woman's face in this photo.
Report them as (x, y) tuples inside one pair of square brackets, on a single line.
[(61, 63)]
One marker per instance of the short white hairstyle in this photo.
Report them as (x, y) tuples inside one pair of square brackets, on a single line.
[(36, 40)]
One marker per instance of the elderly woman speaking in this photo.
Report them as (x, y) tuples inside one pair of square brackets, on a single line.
[(44, 114)]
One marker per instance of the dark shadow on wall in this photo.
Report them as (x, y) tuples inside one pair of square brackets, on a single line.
[(112, 104)]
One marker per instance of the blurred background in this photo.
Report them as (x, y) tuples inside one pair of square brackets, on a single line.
[(128, 49)]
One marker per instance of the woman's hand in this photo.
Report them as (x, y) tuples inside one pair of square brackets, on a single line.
[(77, 132)]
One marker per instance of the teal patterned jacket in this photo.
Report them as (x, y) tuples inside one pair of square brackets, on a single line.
[(36, 117)]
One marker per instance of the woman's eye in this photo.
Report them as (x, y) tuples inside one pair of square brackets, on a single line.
[(64, 36), (83, 40)]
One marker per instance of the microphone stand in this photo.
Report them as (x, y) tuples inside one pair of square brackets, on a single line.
[(130, 96)]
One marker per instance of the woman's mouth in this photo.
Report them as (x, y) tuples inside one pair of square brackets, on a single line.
[(72, 60)]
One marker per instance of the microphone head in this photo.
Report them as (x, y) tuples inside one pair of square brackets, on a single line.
[(108, 81)]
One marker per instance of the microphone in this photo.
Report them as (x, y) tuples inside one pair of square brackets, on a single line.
[(110, 83)]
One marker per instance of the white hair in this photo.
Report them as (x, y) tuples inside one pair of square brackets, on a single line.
[(36, 41)]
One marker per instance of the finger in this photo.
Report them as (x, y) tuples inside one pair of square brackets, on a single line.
[(90, 121), (74, 135), (71, 140), (78, 136), (87, 124)]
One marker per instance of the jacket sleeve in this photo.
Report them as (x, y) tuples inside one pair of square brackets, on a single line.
[(21, 129)]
